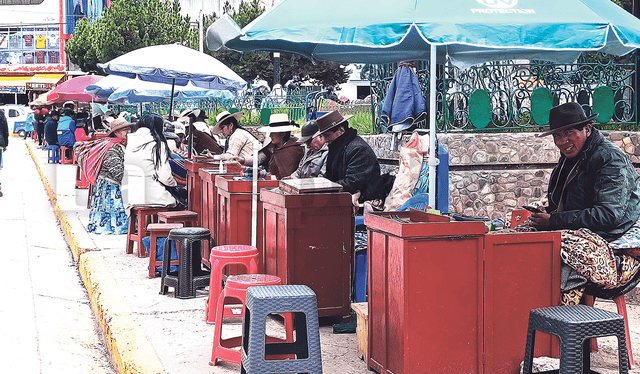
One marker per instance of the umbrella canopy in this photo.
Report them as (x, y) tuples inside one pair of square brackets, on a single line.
[(73, 89), (467, 31), (119, 89), (175, 64)]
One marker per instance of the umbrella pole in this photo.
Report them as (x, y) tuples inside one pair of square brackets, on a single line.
[(433, 161), (173, 86)]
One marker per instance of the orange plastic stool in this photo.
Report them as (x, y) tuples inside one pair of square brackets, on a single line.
[(236, 288), (159, 230), (186, 217), (621, 304), (221, 256), (66, 155), (140, 217)]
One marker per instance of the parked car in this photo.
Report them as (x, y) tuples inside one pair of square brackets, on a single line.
[(16, 117)]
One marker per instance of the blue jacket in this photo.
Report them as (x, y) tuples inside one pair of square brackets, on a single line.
[(66, 131), (404, 101)]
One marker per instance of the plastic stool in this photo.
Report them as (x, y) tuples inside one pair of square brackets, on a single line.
[(66, 155), (141, 216), (574, 325), (221, 256), (265, 300), (190, 275), (53, 154), (81, 180), (158, 230), (186, 217), (236, 288)]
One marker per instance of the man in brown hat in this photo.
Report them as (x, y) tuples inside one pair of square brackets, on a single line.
[(594, 189), (351, 162)]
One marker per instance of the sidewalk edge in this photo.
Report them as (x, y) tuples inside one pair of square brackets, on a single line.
[(129, 347)]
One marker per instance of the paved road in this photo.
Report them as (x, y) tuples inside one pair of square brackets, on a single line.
[(46, 322)]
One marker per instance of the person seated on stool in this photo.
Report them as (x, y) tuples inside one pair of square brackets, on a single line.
[(314, 162), (282, 154), (67, 129), (239, 141), (203, 142), (593, 198), (51, 128)]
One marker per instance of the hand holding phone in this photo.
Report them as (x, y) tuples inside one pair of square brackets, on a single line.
[(532, 209)]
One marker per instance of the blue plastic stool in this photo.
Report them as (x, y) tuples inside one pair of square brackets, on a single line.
[(419, 201), (53, 154), (265, 300)]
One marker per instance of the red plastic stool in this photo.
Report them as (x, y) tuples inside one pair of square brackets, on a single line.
[(159, 230), (621, 304), (236, 288), (186, 217), (66, 155), (81, 180), (140, 217), (221, 256)]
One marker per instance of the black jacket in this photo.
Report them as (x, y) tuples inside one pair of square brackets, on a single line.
[(51, 131), (4, 130), (601, 194), (352, 163)]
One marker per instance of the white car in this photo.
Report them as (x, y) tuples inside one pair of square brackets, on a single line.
[(16, 117)]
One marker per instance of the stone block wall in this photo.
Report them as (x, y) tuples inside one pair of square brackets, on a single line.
[(493, 174)]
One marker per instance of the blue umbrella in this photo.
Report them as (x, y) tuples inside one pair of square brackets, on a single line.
[(464, 32)]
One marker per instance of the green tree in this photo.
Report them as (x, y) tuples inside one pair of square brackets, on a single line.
[(126, 26), (251, 65)]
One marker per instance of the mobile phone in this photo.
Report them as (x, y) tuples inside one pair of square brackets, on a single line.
[(532, 209)]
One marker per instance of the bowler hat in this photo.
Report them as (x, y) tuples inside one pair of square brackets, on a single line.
[(117, 124), (329, 121), (308, 131), (566, 116)]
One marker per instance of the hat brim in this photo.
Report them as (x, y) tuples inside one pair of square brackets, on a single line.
[(344, 119), (119, 127), (587, 120), (270, 129), (216, 128), (303, 139)]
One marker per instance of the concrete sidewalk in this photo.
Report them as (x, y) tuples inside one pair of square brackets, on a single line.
[(147, 332), (151, 333)]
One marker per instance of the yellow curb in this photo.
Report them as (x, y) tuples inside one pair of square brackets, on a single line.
[(130, 349)]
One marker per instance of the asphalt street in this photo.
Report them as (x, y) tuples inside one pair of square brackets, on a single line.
[(46, 321)]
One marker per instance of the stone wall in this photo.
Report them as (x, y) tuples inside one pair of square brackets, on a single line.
[(493, 174)]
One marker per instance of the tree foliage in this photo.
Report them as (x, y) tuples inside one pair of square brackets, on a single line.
[(252, 65), (128, 25)]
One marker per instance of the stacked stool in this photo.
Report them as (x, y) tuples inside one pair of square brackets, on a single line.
[(221, 256), (236, 289), (158, 230), (66, 155), (190, 275), (141, 216), (575, 325), (186, 217), (264, 300), (53, 154)]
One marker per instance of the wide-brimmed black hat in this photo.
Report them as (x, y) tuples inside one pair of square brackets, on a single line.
[(566, 116), (329, 121)]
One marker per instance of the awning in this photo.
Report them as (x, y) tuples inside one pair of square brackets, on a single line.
[(43, 82), (13, 84)]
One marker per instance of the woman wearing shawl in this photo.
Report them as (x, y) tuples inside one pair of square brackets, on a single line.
[(106, 160), (282, 154)]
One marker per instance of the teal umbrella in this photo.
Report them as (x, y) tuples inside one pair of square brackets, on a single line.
[(463, 32)]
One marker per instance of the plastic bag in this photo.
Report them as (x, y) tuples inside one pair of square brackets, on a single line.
[(411, 155)]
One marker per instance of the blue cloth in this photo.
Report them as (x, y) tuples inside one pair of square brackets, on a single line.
[(107, 214), (404, 101), (146, 242), (66, 132), (177, 168)]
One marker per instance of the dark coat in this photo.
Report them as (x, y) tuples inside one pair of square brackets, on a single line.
[(283, 161), (601, 194), (352, 163), (4, 130), (51, 131)]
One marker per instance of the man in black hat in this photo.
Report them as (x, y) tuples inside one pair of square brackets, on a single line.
[(595, 188), (351, 162)]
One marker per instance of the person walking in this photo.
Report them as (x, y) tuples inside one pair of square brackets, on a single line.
[(4, 141)]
